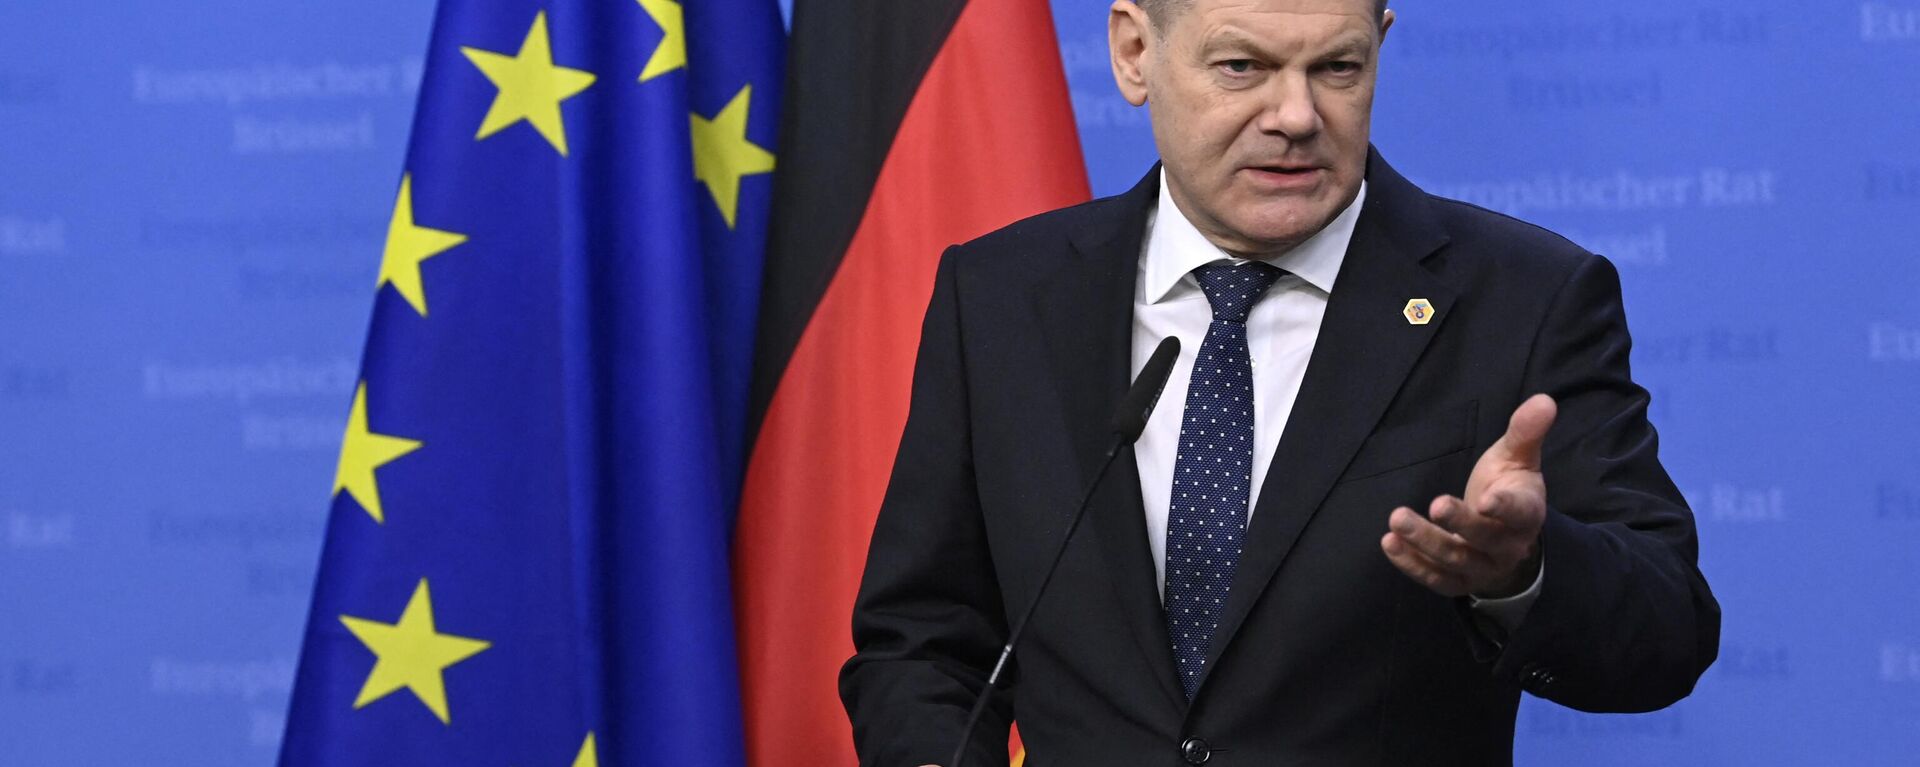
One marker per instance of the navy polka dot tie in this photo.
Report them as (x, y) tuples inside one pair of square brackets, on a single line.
[(1213, 467)]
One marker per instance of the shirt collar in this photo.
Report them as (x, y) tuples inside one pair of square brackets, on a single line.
[(1176, 247)]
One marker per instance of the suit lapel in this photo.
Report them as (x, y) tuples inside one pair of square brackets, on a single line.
[(1085, 312), (1365, 349)]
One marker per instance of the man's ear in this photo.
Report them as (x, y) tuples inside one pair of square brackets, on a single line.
[(1128, 37), (1386, 23)]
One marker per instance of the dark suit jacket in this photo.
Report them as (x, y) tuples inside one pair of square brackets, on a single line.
[(1326, 654)]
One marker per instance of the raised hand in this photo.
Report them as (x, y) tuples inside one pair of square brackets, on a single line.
[(1487, 544)]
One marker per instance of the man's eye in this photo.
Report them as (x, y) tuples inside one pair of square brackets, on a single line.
[(1343, 67), (1238, 66)]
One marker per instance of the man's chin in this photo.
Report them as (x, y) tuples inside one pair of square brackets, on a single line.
[(1271, 235)]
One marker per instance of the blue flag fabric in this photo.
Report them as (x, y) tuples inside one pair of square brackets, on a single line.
[(526, 561)]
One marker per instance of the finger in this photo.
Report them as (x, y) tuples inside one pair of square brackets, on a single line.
[(1501, 505), (1503, 544), (1420, 569), (1441, 547), (1451, 514), (1519, 506), (1527, 429)]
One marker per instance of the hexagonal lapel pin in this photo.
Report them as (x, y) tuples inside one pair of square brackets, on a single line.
[(1419, 311)]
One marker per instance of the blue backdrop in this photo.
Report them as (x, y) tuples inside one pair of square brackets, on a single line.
[(193, 197)]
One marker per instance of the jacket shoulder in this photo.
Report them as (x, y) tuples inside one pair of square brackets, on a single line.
[(1508, 244), (1038, 242)]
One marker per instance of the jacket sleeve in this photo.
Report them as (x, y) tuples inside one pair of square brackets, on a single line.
[(928, 621), (1625, 621)]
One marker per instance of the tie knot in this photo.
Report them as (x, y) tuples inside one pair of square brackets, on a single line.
[(1232, 288)]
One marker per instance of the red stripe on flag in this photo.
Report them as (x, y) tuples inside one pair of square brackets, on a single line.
[(988, 139)]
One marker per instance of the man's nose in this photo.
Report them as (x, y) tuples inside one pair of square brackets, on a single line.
[(1290, 109)]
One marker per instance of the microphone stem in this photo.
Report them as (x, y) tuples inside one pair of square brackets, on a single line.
[(1020, 625)]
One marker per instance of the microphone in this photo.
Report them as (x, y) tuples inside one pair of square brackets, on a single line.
[(1128, 421), (1131, 418)]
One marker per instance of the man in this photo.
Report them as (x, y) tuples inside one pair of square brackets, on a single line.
[(1399, 475)]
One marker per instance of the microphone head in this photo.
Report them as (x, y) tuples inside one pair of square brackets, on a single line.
[(1131, 418)]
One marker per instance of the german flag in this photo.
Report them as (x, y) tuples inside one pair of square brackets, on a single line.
[(908, 126)]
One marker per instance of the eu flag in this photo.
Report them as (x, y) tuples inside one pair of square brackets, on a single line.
[(526, 561)]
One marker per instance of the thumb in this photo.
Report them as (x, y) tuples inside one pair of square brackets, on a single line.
[(1527, 429)]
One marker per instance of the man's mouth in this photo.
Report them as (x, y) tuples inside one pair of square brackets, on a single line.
[(1287, 169), (1284, 175)]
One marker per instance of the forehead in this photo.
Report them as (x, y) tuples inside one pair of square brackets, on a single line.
[(1279, 21)]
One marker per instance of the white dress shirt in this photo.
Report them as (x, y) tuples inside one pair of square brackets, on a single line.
[(1281, 331)]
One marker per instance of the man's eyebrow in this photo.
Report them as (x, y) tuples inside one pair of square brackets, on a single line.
[(1231, 38), (1347, 45), (1350, 45)]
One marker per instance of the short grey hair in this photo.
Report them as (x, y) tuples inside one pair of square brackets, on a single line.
[(1158, 11)]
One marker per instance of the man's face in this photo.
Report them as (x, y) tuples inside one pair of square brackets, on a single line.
[(1261, 110)]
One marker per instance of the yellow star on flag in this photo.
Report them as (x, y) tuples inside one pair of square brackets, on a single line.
[(531, 87), (411, 654), (407, 246), (722, 153), (589, 756), (671, 54), (363, 451)]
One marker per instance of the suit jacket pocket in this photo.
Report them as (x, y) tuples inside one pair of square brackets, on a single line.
[(1426, 436)]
